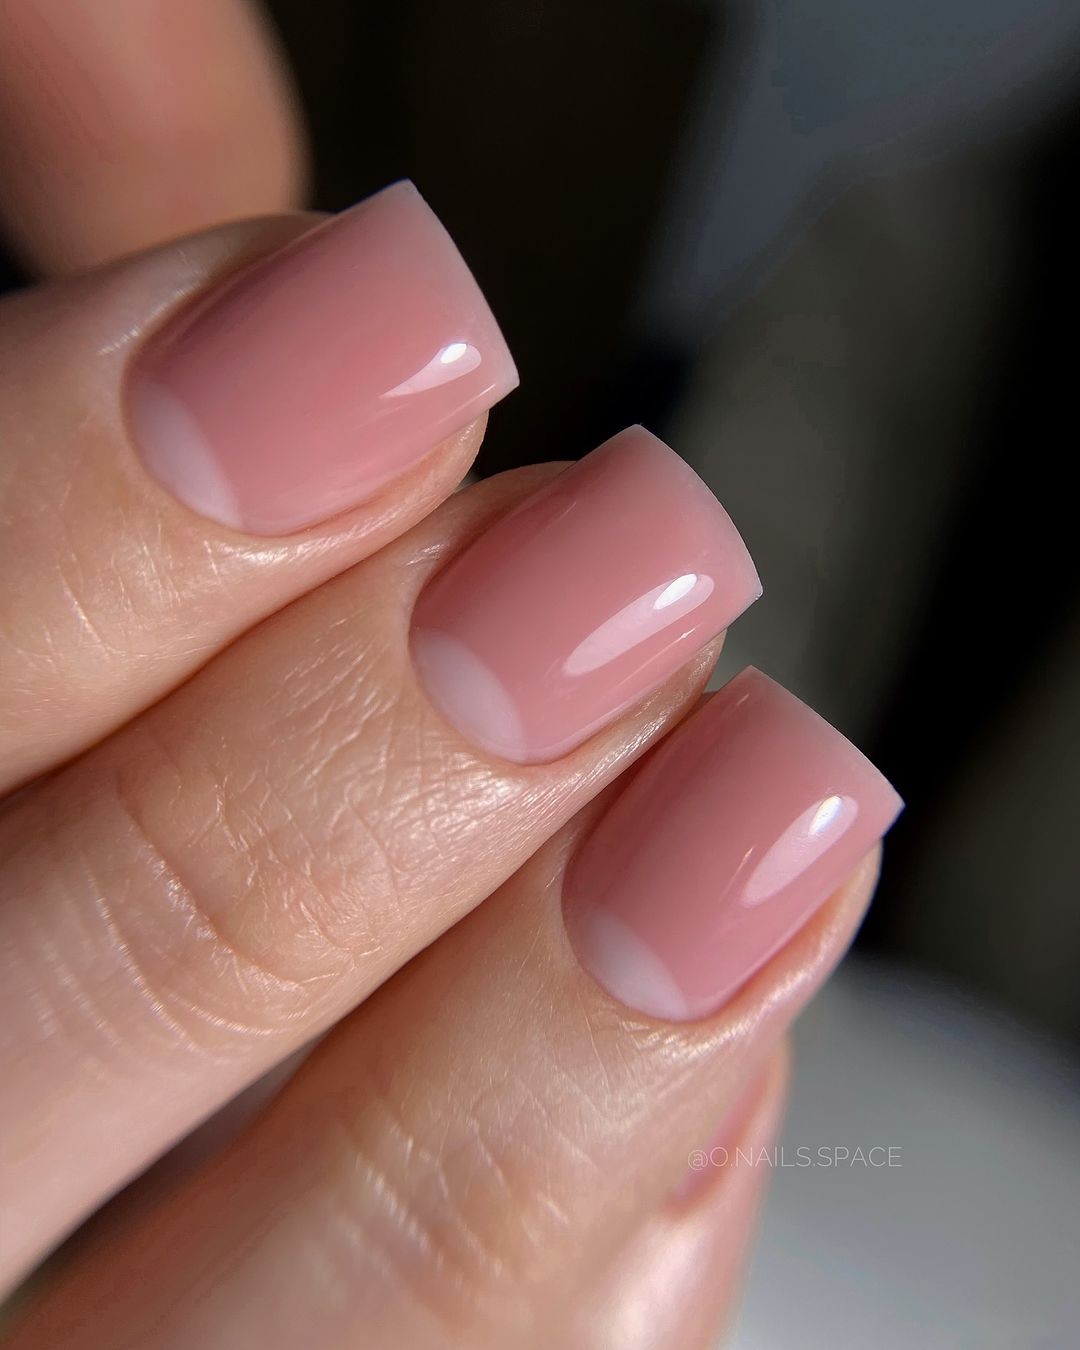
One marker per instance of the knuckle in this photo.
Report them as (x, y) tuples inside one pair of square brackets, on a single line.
[(286, 848), (210, 964)]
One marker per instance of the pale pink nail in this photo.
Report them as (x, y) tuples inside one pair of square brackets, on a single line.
[(744, 822), (317, 375), (581, 601)]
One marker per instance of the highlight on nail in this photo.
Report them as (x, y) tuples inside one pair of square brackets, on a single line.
[(581, 601), (316, 376), (738, 829)]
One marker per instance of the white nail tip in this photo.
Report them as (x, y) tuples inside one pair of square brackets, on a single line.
[(176, 451), (633, 972), (470, 695)]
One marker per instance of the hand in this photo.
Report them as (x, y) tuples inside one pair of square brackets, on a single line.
[(279, 712)]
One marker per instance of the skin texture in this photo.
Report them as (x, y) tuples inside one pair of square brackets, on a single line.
[(116, 590), (220, 892), (675, 1282), (455, 1160), (236, 823)]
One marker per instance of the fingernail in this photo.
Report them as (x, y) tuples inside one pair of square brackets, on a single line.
[(581, 601), (743, 823), (317, 375)]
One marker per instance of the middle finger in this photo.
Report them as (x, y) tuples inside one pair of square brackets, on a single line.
[(241, 865)]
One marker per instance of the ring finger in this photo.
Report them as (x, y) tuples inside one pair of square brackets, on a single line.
[(473, 1144)]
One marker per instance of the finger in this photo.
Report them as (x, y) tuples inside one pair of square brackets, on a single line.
[(306, 392), (232, 872), (482, 1134), (129, 123), (675, 1283)]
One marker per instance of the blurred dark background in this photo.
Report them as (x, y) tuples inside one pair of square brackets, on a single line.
[(828, 251)]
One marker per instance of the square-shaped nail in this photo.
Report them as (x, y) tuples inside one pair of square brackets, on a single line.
[(581, 601), (303, 385), (740, 826)]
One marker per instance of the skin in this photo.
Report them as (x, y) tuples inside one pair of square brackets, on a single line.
[(235, 825)]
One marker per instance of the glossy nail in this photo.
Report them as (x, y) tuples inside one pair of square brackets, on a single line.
[(744, 822), (315, 376), (581, 601)]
